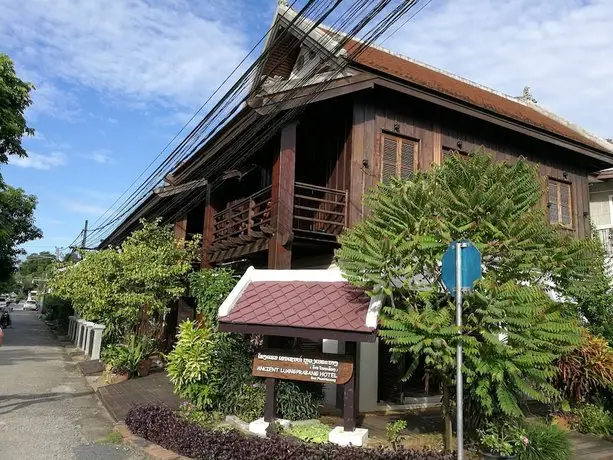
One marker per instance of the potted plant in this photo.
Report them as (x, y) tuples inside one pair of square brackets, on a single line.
[(117, 366), (147, 348), (502, 441)]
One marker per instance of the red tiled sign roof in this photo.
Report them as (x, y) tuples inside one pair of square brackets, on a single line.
[(304, 304)]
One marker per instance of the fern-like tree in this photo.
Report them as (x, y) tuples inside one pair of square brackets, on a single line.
[(513, 331)]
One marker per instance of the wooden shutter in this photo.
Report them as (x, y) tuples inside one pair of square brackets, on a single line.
[(565, 208), (553, 202), (398, 157), (408, 153), (560, 203), (388, 158)]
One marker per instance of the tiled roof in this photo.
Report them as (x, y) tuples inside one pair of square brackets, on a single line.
[(305, 304), (439, 81)]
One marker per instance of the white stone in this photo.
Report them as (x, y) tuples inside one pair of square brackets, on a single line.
[(259, 426), (340, 437)]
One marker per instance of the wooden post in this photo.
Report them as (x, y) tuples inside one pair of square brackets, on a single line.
[(282, 200), (350, 394), (180, 229), (207, 231), (270, 407)]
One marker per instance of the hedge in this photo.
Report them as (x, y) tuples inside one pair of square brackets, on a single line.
[(160, 425)]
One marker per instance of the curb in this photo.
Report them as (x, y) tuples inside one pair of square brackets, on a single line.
[(144, 446)]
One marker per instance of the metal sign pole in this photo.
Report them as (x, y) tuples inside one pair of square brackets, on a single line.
[(459, 383)]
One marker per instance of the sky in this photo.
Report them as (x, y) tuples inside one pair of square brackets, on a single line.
[(115, 81)]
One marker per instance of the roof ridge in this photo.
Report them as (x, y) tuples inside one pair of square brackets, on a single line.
[(539, 108)]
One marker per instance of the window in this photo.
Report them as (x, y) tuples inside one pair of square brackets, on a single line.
[(560, 203), (448, 151), (398, 157)]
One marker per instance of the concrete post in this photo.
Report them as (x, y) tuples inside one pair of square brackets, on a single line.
[(70, 326), (88, 329), (97, 345), (80, 331)]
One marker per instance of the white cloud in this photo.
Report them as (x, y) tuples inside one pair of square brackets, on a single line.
[(170, 52), (37, 161), (81, 207), (101, 156), (562, 49)]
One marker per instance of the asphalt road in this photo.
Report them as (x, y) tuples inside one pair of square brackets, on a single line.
[(47, 410)]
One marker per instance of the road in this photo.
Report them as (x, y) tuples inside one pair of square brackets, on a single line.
[(47, 409)]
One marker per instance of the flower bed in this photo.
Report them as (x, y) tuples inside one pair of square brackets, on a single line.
[(162, 426)]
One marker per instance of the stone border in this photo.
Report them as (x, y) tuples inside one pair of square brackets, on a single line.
[(144, 446)]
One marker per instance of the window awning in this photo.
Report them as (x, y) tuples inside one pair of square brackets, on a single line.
[(311, 304)]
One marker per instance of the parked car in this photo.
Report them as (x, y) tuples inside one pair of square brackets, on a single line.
[(30, 305)]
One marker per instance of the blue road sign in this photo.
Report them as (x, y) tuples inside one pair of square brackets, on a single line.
[(471, 266)]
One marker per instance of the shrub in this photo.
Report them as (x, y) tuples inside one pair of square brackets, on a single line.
[(546, 442), (393, 431), (588, 370), (299, 400), (58, 310), (592, 419), (125, 358), (209, 288), (192, 368), (162, 426)]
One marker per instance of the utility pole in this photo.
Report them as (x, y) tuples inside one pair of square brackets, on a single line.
[(84, 242)]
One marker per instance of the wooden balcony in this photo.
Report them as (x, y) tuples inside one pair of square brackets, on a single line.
[(319, 214)]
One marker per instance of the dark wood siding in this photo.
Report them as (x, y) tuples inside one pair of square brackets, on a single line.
[(437, 129)]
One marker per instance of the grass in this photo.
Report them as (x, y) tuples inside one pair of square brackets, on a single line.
[(311, 432), (114, 437)]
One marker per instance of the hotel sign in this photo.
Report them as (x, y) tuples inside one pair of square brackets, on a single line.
[(316, 368)]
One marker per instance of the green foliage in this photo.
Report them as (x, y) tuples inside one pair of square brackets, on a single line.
[(310, 432), (394, 430), (125, 358), (513, 332), (210, 287), (192, 367), (594, 299), (503, 438), (545, 442), (16, 220), (299, 400), (114, 285), (58, 309), (203, 418), (587, 371), (592, 419), (14, 100)]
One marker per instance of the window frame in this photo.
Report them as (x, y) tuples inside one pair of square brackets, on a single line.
[(399, 139), (558, 183)]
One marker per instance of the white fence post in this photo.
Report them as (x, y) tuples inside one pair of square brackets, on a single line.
[(97, 345)]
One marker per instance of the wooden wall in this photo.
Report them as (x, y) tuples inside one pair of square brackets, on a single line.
[(379, 111)]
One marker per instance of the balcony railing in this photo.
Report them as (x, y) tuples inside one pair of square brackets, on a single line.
[(245, 220), (319, 213)]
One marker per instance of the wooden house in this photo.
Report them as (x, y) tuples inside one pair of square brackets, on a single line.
[(379, 114)]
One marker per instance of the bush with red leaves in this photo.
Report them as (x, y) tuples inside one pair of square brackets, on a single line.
[(162, 426)]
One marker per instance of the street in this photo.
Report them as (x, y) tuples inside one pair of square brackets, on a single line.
[(47, 410)]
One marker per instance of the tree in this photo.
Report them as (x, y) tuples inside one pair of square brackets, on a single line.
[(35, 267), (120, 286), (14, 100), (513, 331), (16, 226)]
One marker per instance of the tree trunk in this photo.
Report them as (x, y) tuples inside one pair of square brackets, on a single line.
[(448, 428)]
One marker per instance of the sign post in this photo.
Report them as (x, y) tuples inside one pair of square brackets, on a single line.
[(461, 268)]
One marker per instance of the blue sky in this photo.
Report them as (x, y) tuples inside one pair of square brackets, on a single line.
[(117, 80)]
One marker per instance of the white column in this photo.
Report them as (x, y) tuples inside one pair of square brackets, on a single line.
[(330, 346), (98, 330), (80, 331), (70, 326), (88, 329), (368, 376)]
